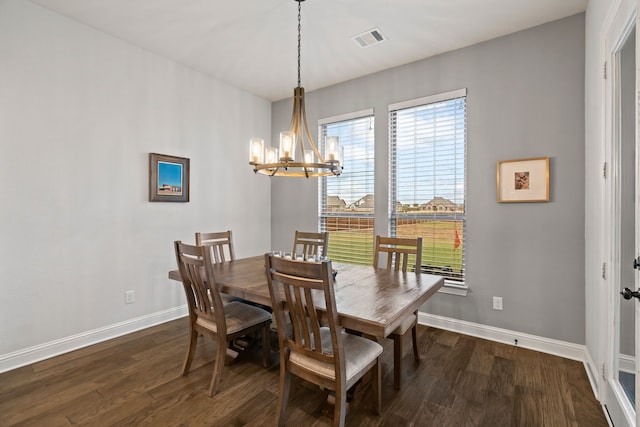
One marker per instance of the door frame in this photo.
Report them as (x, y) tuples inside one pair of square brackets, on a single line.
[(617, 27)]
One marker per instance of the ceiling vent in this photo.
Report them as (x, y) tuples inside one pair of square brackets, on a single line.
[(369, 38)]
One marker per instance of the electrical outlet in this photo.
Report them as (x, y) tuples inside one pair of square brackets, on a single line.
[(497, 303), (129, 297)]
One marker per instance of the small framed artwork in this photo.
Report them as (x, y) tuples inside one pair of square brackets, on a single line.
[(168, 178), (523, 180)]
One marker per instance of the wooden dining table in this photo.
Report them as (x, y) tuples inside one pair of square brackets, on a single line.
[(369, 300)]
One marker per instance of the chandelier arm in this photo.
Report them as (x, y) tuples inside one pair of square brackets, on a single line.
[(294, 113), (297, 117), (311, 141)]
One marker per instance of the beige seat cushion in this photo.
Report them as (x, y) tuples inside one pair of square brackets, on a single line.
[(239, 316), (358, 352)]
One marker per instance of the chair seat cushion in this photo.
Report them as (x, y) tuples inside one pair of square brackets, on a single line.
[(406, 324), (239, 316), (226, 299), (358, 351)]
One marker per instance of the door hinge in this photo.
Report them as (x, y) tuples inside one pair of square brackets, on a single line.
[(604, 371), (604, 170), (604, 71), (604, 270)]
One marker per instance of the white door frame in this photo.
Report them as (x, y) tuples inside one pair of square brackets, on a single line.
[(617, 27), (637, 207)]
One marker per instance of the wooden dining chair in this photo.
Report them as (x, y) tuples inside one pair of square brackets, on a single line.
[(208, 316), (398, 252), (323, 355), (310, 244), (219, 243)]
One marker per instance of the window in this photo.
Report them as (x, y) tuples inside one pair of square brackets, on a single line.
[(427, 167), (346, 201)]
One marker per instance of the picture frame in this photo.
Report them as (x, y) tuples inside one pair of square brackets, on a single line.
[(523, 180), (168, 178)]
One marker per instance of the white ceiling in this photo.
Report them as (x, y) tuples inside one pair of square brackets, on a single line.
[(252, 44)]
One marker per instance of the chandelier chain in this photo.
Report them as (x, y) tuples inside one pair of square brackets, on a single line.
[(299, 38)]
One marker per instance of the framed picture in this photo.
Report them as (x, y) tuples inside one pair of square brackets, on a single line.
[(523, 180), (168, 178)]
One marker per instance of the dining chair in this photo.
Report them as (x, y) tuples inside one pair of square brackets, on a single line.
[(219, 243), (310, 244), (323, 355), (398, 250), (208, 316)]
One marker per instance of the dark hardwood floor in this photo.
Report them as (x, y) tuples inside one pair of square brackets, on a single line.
[(135, 380)]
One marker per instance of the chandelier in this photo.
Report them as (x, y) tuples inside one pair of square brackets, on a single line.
[(282, 162)]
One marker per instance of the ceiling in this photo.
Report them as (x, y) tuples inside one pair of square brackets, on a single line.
[(252, 44)]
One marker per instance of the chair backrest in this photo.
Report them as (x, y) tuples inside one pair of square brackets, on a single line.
[(203, 297), (295, 288), (310, 244), (398, 251), (220, 245)]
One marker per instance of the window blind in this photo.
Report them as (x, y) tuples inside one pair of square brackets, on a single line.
[(346, 202), (427, 185)]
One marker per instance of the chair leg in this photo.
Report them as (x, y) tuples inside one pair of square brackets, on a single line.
[(283, 396), (266, 345), (340, 410), (376, 388), (397, 361), (414, 337), (218, 365), (193, 341)]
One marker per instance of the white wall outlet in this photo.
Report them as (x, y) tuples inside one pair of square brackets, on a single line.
[(129, 297), (497, 303)]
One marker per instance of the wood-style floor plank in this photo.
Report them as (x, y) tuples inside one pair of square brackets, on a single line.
[(135, 380)]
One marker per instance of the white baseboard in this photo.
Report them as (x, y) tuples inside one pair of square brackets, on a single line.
[(545, 345), (40, 352), (592, 374)]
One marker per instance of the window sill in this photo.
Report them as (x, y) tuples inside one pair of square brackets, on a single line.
[(454, 288)]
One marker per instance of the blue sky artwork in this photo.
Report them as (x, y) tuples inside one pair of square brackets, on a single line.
[(169, 174)]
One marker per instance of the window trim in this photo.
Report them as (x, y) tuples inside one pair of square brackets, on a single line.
[(346, 116), (431, 99)]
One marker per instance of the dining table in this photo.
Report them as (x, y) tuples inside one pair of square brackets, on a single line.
[(369, 300)]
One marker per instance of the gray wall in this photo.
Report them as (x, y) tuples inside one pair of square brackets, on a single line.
[(80, 111), (525, 99)]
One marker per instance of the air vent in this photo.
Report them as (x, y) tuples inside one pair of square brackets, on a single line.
[(369, 38)]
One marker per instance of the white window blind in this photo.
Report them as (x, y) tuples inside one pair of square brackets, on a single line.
[(427, 168), (346, 202)]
